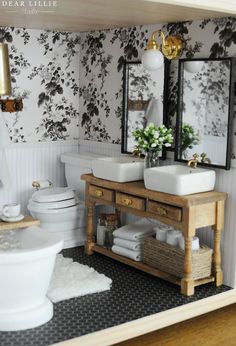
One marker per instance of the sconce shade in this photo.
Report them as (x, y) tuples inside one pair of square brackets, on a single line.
[(5, 77), (193, 66), (153, 56), (152, 59)]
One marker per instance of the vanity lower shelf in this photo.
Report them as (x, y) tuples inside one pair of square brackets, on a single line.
[(185, 213), (148, 269)]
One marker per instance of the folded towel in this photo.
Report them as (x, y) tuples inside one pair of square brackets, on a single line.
[(146, 221), (128, 244), (134, 255), (134, 232)]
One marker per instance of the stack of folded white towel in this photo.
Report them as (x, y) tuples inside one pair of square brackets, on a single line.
[(129, 238)]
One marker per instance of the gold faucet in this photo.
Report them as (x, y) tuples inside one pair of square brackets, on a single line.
[(205, 159), (137, 151), (193, 163)]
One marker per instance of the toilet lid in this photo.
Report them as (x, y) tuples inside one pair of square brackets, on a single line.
[(53, 205), (53, 194)]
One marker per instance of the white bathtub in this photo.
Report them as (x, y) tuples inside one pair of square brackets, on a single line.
[(25, 274)]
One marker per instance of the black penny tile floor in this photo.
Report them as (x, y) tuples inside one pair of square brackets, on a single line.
[(134, 294)]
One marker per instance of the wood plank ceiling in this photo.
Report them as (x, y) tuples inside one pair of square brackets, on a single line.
[(85, 15)]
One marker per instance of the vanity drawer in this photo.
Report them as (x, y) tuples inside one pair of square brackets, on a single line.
[(130, 201), (100, 192), (165, 210)]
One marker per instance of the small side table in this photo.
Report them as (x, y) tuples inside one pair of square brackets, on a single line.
[(28, 221)]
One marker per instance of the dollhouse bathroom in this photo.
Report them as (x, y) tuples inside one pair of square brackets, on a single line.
[(117, 168)]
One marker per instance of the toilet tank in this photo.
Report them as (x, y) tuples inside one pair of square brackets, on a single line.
[(75, 165)]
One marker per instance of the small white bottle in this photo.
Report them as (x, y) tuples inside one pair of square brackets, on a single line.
[(101, 226)]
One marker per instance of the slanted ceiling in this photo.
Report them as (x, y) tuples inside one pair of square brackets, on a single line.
[(86, 15)]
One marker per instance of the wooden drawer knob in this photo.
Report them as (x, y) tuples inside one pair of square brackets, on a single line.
[(161, 211), (98, 193), (127, 201)]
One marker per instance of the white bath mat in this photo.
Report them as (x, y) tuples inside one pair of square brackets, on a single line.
[(72, 279)]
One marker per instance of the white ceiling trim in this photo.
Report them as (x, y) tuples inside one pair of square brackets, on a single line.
[(87, 15), (211, 5)]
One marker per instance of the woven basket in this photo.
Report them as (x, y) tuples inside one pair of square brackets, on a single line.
[(171, 260)]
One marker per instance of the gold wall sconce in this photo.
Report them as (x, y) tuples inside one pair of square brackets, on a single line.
[(153, 56), (5, 76)]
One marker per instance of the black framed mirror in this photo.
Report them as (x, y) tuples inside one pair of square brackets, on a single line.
[(144, 95), (205, 111)]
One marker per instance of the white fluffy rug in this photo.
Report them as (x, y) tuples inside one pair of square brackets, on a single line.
[(72, 279)]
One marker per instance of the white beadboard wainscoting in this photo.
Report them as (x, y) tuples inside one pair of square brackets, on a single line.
[(225, 181), (33, 161), (28, 162)]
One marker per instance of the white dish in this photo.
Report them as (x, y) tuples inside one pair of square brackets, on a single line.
[(12, 219)]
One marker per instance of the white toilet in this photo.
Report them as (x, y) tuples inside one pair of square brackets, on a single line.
[(61, 210)]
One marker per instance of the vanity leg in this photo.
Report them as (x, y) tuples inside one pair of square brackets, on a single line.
[(89, 244), (187, 283), (217, 237)]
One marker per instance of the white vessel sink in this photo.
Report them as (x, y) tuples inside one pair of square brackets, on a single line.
[(179, 180), (121, 169)]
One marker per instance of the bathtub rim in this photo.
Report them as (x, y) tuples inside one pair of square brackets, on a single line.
[(50, 244)]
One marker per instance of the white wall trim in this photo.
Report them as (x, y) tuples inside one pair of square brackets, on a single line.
[(43, 144), (101, 145)]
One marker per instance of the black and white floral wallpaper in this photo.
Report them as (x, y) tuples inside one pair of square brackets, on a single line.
[(206, 94), (45, 72), (72, 82), (101, 64)]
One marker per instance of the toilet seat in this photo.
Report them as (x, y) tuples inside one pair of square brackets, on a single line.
[(53, 194), (54, 205), (61, 211)]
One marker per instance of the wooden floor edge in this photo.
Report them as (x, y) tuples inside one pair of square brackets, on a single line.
[(154, 322)]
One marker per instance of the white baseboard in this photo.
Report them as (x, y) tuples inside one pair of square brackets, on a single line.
[(129, 330)]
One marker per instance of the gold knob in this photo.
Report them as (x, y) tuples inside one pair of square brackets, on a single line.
[(127, 201), (161, 211), (36, 184), (98, 193)]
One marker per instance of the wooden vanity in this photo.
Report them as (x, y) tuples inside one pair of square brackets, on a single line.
[(185, 213)]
